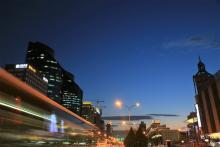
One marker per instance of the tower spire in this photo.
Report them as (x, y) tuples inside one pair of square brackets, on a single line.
[(201, 66)]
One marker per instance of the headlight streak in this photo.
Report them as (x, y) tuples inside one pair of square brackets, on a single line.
[(13, 88), (24, 110)]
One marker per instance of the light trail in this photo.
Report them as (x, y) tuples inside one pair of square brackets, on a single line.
[(8, 79), (24, 110)]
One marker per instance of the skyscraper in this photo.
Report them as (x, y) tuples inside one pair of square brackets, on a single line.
[(207, 90), (71, 93), (61, 85), (42, 57)]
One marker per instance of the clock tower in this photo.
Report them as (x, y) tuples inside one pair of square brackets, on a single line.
[(207, 96)]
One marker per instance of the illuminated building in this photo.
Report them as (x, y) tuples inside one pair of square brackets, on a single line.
[(161, 134), (192, 124), (155, 124), (92, 114), (207, 90), (71, 93), (169, 135), (42, 57), (28, 74), (88, 111), (61, 85)]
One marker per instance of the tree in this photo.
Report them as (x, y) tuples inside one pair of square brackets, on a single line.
[(141, 139), (130, 139)]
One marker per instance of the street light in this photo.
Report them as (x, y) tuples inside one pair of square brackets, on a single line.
[(129, 108), (119, 103), (137, 104)]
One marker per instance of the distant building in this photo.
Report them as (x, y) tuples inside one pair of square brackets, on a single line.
[(88, 111), (207, 91), (99, 122), (142, 125), (160, 134), (169, 135), (156, 124), (92, 114), (28, 74), (42, 57), (109, 130), (192, 124), (71, 93)]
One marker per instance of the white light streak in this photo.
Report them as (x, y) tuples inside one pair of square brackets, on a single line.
[(198, 115), (23, 110)]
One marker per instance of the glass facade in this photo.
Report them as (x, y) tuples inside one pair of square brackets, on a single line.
[(61, 85), (42, 57), (71, 93)]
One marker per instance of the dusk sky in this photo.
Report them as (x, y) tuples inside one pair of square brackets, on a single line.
[(139, 50)]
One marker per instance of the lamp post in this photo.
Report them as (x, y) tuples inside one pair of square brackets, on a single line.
[(129, 108), (119, 104)]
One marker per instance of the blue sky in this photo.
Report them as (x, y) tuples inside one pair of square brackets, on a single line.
[(144, 50)]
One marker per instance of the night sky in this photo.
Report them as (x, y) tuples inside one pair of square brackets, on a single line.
[(140, 50)]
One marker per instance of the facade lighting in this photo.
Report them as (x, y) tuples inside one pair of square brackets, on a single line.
[(198, 115), (45, 79), (31, 68), (21, 66)]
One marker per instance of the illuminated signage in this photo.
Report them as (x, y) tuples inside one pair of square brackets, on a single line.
[(21, 66), (198, 115), (31, 68)]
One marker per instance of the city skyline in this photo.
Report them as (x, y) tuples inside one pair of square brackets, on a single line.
[(145, 52)]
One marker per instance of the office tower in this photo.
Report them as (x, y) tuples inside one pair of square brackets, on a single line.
[(93, 114), (207, 91), (71, 93), (28, 74), (61, 85), (88, 111), (42, 57)]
